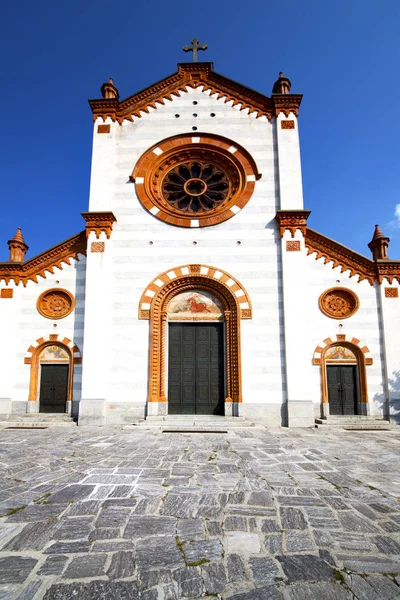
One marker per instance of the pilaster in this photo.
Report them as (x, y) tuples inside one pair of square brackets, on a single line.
[(289, 164)]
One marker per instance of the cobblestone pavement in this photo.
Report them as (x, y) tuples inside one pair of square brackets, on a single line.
[(254, 514)]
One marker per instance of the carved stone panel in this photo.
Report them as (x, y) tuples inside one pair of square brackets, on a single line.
[(338, 303), (55, 304), (391, 292)]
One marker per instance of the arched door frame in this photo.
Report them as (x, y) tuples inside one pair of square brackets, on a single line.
[(363, 357), (153, 306), (33, 358)]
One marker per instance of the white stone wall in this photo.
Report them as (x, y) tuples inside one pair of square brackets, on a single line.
[(306, 326), (135, 262), (21, 325), (390, 328)]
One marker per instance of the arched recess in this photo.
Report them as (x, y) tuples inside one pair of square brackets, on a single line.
[(33, 358), (363, 356), (153, 306)]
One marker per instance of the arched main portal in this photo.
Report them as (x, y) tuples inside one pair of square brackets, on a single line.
[(217, 330), (343, 376), (52, 361)]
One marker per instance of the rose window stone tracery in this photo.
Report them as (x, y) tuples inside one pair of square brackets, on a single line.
[(195, 186), (55, 304), (338, 303)]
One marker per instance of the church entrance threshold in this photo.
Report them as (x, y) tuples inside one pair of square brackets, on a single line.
[(196, 367), (342, 389), (53, 388)]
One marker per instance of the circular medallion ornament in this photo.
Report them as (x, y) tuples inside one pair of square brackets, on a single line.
[(339, 303), (55, 304), (195, 181)]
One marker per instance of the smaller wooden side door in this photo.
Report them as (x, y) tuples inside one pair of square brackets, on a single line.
[(342, 389), (53, 388)]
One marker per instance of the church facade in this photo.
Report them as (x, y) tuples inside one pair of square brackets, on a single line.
[(196, 286)]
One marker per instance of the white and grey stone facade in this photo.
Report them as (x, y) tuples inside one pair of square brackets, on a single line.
[(281, 378)]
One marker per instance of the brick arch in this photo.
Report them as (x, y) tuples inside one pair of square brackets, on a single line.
[(32, 358), (203, 273), (363, 356), (228, 292), (345, 340)]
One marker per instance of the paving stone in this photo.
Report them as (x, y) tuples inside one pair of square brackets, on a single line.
[(236, 568), (305, 567), (33, 536), (270, 526), (298, 542), (141, 527), (37, 512), (15, 569), (213, 528), (153, 554), (214, 576), (352, 522), (273, 544), (122, 565), (67, 548), (94, 590), (190, 529), (386, 545), (318, 591), (352, 542), (113, 517), (265, 570), (260, 499), (112, 546), (74, 528), (104, 533), (180, 505), (71, 493), (190, 582), (370, 564), (241, 542), (30, 591), (8, 531), (292, 518), (362, 588), (119, 502), (54, 565), (299, 501), (90, 565), (264, 593), (236, 523), (202, 549), (83, 509)]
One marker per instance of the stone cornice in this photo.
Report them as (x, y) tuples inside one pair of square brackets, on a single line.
[(46, 261), (194, 75), (98, 222), (340, 256), (292, 220)]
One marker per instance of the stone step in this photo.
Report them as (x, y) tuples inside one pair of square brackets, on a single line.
[(35, 424), (354, 423), (191, 423), (40, 416)]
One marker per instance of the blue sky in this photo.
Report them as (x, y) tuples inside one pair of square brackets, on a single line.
[(343, 56)]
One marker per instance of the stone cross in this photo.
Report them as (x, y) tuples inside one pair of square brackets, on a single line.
[(194, 48)]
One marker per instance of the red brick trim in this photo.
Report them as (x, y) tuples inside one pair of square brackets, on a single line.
[(203, 274), (148, 182), (341, 339), (6, 293)]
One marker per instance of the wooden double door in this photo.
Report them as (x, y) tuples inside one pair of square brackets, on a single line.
[(343, 389), (53, 388), (196, 368)]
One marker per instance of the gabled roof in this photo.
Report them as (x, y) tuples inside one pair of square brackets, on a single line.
[(46, 261), (348, 260), (195, 75)]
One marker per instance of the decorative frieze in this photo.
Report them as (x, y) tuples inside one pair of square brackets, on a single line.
[(6, 293), (292, 220), (105, 128), (293, 246), (97, 247), (391, 292), (287, 124)]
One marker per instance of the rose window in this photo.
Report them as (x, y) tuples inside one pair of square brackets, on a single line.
[(56, 304), (195, 187), (338, 303)]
